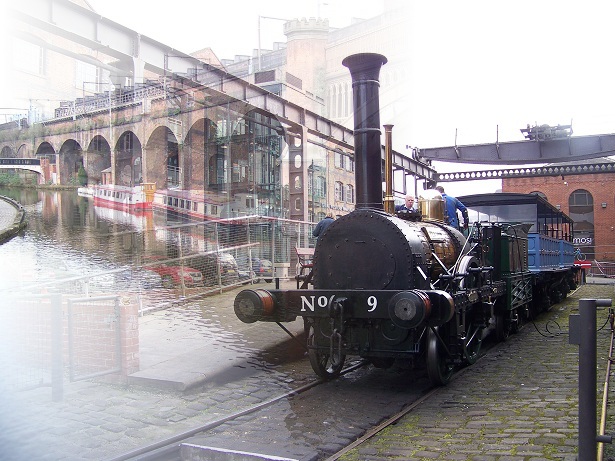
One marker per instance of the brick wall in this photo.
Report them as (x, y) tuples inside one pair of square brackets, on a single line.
[(558, 189)]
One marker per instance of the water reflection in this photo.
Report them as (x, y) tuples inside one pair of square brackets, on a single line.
[(65, 239)]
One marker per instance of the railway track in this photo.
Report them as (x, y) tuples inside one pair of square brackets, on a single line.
[(407, 397), (325, 420), (169, 449)]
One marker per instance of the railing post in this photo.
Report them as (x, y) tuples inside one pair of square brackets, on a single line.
[(583, 333)]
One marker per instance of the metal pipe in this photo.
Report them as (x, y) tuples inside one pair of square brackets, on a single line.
[(365, 70), (389, 202)]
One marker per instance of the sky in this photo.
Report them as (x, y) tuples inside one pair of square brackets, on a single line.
[(481, 69), (229, 28), (480, 66)]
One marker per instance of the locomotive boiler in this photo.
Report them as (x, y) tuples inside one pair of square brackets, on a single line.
[(387, 288)]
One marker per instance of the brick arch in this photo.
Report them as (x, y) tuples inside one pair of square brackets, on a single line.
[(199, 144), (70, 159), (97, 158), (7, 152), (157, 154), (127, 159)]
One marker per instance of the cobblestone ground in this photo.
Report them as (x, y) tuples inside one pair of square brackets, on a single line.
[(98, 421), (519, 403)]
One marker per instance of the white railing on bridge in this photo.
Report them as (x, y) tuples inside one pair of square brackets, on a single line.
[(31, 164)]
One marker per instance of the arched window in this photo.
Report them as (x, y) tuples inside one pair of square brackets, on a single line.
[(340, 102), (581, 210), (347, 99)]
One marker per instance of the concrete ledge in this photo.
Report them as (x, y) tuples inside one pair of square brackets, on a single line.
[(19, 221)]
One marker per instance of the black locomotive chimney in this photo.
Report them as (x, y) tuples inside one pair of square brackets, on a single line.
[(365, 70)]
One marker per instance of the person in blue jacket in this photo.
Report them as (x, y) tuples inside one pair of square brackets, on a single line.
[(322, 225), (451, 205)]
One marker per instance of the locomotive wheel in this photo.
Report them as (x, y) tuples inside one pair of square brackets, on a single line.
[(472, 343), (438, 369), (326, 366)]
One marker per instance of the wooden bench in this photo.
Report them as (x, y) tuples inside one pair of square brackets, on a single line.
[(305, 264)]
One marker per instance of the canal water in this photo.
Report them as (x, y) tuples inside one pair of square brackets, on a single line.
[(69, 238)]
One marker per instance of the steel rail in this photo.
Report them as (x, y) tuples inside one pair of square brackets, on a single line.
[(171, 444), (395, 418)]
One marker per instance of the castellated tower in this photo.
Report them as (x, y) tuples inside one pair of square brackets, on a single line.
[(306, 49)]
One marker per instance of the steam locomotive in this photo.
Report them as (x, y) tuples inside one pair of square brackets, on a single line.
[(410, 287)]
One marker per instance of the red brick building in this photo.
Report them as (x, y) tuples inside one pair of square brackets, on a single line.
[(589, 199)]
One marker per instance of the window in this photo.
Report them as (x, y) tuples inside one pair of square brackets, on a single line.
[(87, 80), (347, 99), (350, 164), (126, 142), (217, 169), (581, 206), (28, 57), (339, 191), (581, 200), (339, 159), (349, 193), (321, 187)]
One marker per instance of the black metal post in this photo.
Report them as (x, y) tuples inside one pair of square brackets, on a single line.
[(365, 71), (587, 377)]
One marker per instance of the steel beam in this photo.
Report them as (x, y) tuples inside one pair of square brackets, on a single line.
[(80, 25), (526, 152), (529, 172)]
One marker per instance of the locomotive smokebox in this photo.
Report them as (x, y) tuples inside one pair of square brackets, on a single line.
[(365, 71)]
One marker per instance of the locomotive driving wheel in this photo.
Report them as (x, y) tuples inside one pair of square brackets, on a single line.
[(326, 365), (439, 369), (472, 343)]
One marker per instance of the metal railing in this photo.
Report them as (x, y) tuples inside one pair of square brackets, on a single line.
[(69, 327)]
